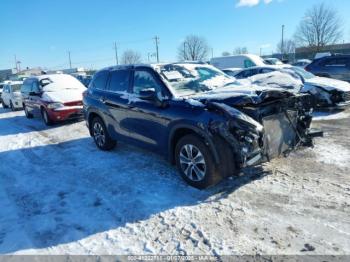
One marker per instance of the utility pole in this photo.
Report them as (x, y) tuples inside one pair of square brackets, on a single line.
[(282, 43), (116, 53), (156, 39), (16, 65), (70, 61)]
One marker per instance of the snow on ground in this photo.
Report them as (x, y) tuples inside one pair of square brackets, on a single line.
[(60, 195), (331, 115)]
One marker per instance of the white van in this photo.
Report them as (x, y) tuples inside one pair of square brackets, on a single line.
[(11, 95), (237, 61)]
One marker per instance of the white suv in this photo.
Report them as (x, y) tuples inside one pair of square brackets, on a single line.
[(11, 95)]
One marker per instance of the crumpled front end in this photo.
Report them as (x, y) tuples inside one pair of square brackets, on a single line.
[(260, 132)]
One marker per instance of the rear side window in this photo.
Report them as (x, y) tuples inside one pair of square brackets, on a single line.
[(119, 81), (340, 62), (100, 80)]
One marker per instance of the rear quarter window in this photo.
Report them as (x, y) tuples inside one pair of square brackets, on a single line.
[(99, 80)]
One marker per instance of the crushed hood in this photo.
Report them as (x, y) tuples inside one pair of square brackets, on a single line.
[(326, 83), (240, 95)]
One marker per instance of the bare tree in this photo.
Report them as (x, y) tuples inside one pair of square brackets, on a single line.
[(288, 47), (320, 26), (194, 48), (225, 53), (131, 57), (241, 51)]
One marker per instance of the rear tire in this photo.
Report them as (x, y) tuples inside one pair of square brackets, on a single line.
[(101, 136), (46, 117), (195, 162), (12, 107), (4, 105), (28, 115)]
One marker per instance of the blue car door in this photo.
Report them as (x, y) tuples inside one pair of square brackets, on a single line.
[(147, 121)]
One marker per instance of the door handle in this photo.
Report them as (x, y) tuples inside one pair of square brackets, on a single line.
[(103, 100)]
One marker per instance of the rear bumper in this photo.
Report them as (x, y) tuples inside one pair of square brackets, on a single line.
[(66, 113)]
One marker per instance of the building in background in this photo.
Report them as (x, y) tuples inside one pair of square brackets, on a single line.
[(6, 74), (310, 52)]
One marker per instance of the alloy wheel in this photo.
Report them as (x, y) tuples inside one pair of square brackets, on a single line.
[(192, 162), (99, 134)]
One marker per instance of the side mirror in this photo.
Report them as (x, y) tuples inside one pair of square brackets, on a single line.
[(147, 94)]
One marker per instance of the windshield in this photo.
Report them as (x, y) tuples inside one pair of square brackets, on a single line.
[(16, 88), (192, 79), (303, 73)]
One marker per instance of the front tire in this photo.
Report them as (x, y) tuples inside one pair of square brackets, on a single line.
[(101, 136), (46, 117), (195, 162)]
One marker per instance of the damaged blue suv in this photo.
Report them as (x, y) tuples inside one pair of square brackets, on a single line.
[(196, 116)]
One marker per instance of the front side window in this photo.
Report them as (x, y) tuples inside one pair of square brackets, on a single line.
[(35, 86), (119, 81), (100, 80), (144, 80)]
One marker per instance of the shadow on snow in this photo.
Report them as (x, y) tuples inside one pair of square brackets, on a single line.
[(66, 192)]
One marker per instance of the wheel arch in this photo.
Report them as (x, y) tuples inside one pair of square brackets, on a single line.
[(182, 130), (91, 115)]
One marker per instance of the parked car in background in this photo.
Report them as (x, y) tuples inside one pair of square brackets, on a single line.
[(335, 66), (322, 54), (231, 71), (84, 79), (237, 61), (302, 63), (1, 87), (53, 97), (193, 115), (326, 92), (273, 61), (11, 95)]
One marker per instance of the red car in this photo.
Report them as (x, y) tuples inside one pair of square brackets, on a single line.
[(53, 97)]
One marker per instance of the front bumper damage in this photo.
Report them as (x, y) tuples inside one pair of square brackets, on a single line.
[(263, 132)]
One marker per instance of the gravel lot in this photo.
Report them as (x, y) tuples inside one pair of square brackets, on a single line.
[(60, 195)]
